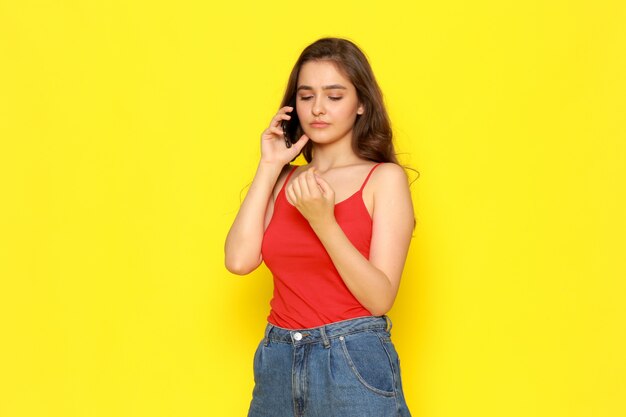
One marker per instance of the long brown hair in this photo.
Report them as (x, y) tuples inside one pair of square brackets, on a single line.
[(372, 134)]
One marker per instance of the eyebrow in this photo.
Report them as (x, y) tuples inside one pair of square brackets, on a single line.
[(326, 87)]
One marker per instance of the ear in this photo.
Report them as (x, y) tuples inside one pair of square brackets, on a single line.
[(360, 110)]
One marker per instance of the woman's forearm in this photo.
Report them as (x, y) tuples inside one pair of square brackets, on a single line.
[(367, 283), (243, 243)]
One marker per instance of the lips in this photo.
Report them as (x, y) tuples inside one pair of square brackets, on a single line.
[(319, 124)]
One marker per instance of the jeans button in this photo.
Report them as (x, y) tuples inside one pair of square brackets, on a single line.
[(297, 336)]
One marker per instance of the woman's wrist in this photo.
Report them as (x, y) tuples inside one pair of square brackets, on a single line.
[(266, 176), (269, 170), (325, 227), (271, 165)]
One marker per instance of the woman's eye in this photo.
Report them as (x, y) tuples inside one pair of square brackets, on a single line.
[(332, 98)]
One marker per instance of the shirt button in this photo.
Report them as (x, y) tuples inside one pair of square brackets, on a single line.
[(297, 336)]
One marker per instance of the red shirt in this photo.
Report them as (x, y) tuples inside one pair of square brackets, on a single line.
[(308, 290)]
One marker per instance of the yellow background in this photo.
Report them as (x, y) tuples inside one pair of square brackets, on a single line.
[(130, 129)]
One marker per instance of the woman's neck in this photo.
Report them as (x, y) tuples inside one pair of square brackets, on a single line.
[(333, 155)]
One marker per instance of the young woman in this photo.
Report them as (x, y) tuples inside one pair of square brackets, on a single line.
[(335, 233)]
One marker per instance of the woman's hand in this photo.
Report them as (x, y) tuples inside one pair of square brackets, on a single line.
[(313, 197), (273, 146)]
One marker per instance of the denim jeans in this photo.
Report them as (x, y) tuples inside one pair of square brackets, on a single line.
[(345, 369)]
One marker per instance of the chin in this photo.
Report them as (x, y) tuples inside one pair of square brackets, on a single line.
[(315, 136), (323, 137)]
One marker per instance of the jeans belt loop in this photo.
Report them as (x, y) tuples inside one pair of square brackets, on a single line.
[(324, 337), (389, 323), (268, 328)]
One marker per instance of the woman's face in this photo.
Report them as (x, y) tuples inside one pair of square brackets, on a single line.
[(325, 95)]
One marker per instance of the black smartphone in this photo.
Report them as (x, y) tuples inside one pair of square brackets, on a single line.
[(290, 127)]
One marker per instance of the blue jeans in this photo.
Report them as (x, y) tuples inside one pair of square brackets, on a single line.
[(348, 368)]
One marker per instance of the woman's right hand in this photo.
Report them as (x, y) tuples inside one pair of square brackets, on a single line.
[(273, 146)]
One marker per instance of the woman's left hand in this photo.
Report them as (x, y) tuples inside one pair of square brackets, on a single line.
[(313, 197)]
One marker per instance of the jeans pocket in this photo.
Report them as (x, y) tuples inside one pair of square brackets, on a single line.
[(369, 361)]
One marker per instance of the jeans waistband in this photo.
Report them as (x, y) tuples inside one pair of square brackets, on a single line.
[(326, 332)]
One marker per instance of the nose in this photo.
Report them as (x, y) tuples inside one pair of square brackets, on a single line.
[(317, 108)]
